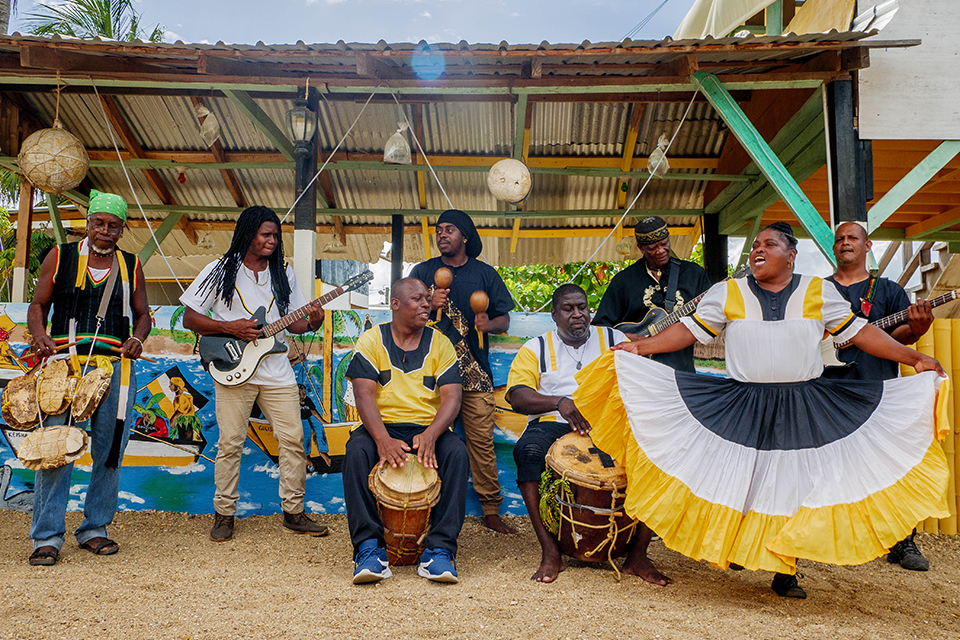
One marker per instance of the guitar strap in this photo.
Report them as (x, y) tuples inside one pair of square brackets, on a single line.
[(866, 304), (670, 299)]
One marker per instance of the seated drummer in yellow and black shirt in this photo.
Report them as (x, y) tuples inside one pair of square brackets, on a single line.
[(407, 385), (541, 383)]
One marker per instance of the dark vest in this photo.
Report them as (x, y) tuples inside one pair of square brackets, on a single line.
[(83, 304)]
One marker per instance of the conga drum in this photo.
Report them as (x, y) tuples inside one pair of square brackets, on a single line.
[(405, 497), (586, 496)]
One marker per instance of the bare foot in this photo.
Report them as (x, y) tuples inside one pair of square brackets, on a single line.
[(493, 521), (550, 567), (325, 458), (641, 567)]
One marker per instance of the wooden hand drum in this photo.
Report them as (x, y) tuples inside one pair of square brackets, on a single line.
[(405, 497), (590, 494)]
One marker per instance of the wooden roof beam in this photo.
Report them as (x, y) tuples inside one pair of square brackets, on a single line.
[(262, 121), (912, 182), (629, 147), (129, 141), (421, 178), (216, 149)]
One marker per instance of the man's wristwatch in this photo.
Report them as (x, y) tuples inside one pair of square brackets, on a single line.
[(557, 408)]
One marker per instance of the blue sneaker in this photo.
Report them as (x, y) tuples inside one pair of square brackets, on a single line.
[(370, 563), (438, 565)]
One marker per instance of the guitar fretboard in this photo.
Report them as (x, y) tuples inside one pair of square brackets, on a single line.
[(287, 320), (901, 316), (689, 307)]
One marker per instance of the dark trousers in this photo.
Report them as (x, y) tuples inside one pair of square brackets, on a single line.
[(530, 452), (446, 519)]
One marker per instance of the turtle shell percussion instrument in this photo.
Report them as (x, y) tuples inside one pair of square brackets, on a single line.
[(443, 278), (587, 492), (56, 385), (92, 389), (18, 403), (52, 447), (405, 497)]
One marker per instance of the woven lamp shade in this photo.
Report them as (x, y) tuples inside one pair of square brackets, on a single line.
[(53, 160), (509, 180)]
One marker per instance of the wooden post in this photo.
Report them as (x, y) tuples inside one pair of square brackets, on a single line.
[(21, 259), (714, 248), (848, 191), (327, 366)]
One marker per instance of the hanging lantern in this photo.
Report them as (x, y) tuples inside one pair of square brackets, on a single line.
[(53, 160), (509, 180)]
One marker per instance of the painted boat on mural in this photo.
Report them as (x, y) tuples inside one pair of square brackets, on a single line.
[(141, 451), (337, 433), (508, 420)]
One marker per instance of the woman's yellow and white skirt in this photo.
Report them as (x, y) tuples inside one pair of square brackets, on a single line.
[(762, 474)]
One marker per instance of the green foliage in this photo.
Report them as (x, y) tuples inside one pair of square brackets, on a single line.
[(86, 19), (697, 256), (533, 285), (39, 242)]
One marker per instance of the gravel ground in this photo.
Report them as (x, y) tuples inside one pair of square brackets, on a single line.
[(170, 581)]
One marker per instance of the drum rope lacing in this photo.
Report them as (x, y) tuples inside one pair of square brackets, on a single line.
[(401, 550), (613, 528)]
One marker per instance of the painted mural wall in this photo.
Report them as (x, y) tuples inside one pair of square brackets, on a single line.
[(168, 463)]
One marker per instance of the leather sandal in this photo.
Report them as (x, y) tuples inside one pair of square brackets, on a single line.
[(101, 546), (44, 556)]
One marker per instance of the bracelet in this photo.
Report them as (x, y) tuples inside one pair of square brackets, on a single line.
[(557, 408), (137, 339)]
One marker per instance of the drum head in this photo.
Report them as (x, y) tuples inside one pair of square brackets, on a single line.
[(576, 458), (410, 483)]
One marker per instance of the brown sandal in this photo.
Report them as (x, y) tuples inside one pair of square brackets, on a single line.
[(44, 556), (101, 546)]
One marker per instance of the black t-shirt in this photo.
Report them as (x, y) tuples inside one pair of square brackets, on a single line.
[(888, 298), (458, 318), (633, 292), (306, 407)]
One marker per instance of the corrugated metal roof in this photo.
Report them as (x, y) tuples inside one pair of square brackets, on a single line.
[(165, 121)]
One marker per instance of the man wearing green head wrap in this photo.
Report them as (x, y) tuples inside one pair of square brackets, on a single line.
[(73, 279)]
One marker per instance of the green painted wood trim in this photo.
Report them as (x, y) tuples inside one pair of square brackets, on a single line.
[(261, 120), (748, 241), (161, 233), (801, 167), (774, 18), (768, 162), (809, 112), (911, 183), (521, 114), (58, 233), (737, 211)]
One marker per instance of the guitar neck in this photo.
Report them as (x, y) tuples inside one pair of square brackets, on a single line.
[(901, 316), (685, 310), (293, 316)]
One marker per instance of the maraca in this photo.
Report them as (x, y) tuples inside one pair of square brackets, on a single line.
[(479, 301), (443, 278)]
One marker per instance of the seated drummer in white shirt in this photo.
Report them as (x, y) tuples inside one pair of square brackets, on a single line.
[(540, 384)]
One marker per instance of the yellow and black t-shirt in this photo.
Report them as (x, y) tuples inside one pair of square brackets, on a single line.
[(408, 382)]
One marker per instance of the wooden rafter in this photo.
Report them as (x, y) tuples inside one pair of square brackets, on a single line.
[(629, 146), (521, 152), (129, 141), (421, 177), (216, 149), (261, 121)]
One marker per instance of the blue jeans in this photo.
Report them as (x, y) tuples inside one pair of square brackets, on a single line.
[(313, 425), (52, 490)]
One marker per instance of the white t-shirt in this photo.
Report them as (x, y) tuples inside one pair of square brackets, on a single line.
[(252, 292)]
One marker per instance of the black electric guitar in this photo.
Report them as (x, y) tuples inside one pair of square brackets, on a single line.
[(658, 319), (829, 349), (232, 361)]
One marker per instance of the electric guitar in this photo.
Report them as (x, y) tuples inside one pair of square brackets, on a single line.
[(829, 349), (232, 361), (658, 319)]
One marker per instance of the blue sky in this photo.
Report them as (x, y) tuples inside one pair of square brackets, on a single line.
[(316, 21)]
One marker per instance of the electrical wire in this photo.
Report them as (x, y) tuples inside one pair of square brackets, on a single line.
[(640, 25)]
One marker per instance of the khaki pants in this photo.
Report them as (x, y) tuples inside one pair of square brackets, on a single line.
[(281, 407), (477, 413)]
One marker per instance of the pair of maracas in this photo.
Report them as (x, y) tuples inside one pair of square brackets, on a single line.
[(479, 301)]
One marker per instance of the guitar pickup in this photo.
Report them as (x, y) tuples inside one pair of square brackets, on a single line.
[(232, 351)]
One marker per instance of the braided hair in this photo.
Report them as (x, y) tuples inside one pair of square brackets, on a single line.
[(223, 278), (785, 231)]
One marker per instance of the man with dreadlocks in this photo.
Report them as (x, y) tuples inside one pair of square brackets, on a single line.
[(250, 275)]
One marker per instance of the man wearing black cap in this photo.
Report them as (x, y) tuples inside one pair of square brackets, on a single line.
[(656, 280), (459, 246)]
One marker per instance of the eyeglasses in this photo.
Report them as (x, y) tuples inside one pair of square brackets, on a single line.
[(111, 227)]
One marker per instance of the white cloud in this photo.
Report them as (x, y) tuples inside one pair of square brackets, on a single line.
[(268, 468), (126, 495), (196, 467), (171, 36), (425, 14)]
